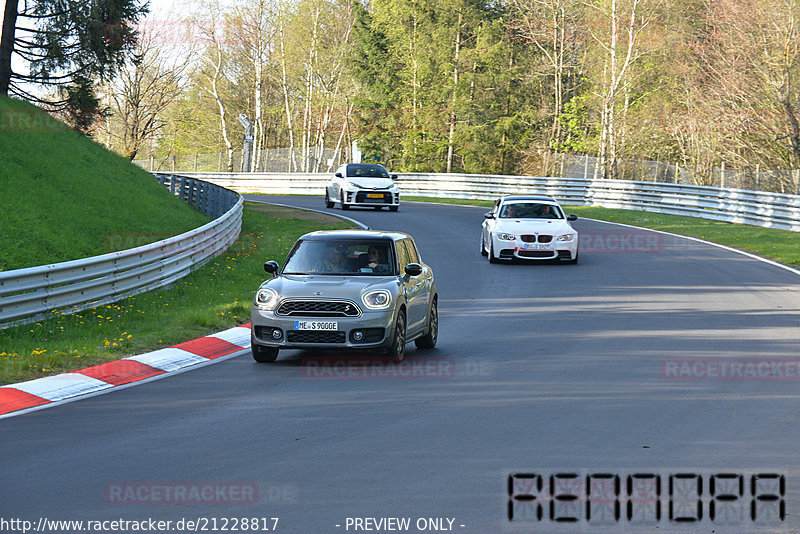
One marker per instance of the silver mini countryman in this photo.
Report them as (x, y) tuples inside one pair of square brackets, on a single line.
[(346, 289)]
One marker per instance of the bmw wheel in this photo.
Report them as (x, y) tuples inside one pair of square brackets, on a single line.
[(398, 349), (483, 246), (492, 259)]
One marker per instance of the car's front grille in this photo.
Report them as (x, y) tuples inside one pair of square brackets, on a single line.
[(543, 238), (319, 308), (385, 197), (536, 253), (314, 336)]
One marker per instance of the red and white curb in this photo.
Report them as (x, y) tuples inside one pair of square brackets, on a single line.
[(54, 389)]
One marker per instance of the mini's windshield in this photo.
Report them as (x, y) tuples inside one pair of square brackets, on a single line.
[(348, 257), (530, 210), (363, 170)]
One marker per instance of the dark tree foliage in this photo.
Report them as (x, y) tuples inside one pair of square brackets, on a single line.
[(370, 67), (68, 46)]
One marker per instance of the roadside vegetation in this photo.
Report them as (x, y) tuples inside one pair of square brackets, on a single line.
[(215, 297), (781, 246)]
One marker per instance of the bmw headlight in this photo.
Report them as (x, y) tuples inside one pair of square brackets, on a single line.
[(380, 299), (505, 237), (266, 299), (566, 237)]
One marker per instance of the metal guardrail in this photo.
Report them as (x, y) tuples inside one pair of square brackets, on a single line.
[(34, 293), (772, 210)]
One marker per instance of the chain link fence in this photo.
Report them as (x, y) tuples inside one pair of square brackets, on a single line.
[(320, 159), (284, 160), (588, 167)]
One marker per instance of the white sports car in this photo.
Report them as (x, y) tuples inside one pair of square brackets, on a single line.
[(528, 228), (362, 184)]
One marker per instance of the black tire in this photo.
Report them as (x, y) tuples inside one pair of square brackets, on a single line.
[(344, 206), (328, 201), (492, 259), (393, 208), (574, 260), (483, 247), (263, 354), (397, 351), (377, 208), (428, 341)]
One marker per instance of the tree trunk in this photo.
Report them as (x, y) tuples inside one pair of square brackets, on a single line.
[(7, 44), (451, 136)]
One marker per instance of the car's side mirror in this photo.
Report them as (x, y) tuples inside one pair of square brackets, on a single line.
[(338, 175), (271, 267), (413, 269), (393, 177), (572, 217), (488, 215)]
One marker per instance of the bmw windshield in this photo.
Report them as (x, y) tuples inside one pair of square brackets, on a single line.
[(530, 210)]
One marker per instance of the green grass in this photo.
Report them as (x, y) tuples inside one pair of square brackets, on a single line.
[(213, 298), (63, 196), (782, 246)]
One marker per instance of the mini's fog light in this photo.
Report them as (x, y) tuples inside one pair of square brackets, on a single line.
[(358, 335), (276, 334)]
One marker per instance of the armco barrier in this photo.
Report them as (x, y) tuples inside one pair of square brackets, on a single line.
[(30, 294), (773, 210)]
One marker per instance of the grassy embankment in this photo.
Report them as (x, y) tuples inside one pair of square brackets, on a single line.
[(63, 197)]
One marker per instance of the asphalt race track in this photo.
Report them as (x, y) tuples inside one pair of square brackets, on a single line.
[(660, 362)]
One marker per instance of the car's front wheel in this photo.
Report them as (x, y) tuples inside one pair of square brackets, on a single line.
[(328, 201), (483, 247), (428, 341), (575, 259), (263, 354), (397, 351), (393, 208), (492, 259), (344, 206)]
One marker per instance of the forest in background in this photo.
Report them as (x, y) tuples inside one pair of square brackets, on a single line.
[(475, 86)]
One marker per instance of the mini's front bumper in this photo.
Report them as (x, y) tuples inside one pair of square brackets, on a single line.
[(375, 327)]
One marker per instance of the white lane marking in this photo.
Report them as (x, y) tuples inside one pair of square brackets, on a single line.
[(362, 225)]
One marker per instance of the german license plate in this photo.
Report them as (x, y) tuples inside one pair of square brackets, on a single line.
[(536, 246), (374, 195), (316, 325)]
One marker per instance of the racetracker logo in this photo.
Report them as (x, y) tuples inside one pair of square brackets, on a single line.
[(730, 369), (186, 493), (623, 241), (371, 368)]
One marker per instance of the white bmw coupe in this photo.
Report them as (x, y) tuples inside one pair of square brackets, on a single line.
[(528, 228)]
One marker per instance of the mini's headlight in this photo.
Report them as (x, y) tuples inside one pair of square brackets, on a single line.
[(379, 299), (566, 237), (505, 237), (266, 299)]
